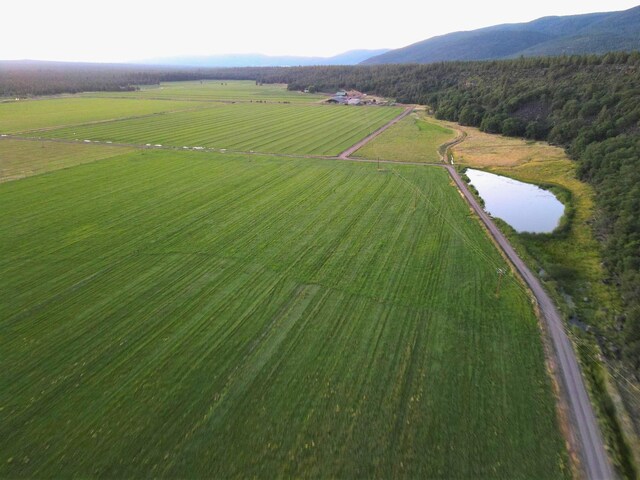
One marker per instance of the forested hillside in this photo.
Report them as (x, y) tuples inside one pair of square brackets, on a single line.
[(565, 35), (26, 78)]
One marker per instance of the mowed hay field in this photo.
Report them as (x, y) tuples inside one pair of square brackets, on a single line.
[(415, 138), (20, 158), (190, 314), (268, 128), (28, 115), (217, 90)]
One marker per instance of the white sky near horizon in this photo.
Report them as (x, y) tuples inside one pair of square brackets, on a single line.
[(124, 31)]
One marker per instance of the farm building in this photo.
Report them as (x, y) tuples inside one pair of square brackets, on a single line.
[(352, 97)]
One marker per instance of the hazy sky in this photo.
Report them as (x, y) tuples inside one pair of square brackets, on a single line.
[(125, 30)]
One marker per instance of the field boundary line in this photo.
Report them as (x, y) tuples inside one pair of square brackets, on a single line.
[(210, 100), (140, 146)]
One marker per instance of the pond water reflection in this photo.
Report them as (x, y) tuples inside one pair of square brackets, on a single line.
[(526, 207)]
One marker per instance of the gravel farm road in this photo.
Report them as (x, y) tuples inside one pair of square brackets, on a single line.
[(594, 461), (349, 151), (593, 456)]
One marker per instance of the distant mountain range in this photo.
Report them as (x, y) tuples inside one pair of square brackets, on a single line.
[(352, 57), (575, 34), (548, 36)]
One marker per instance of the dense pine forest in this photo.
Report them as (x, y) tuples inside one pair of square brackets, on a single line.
[(588, 104)]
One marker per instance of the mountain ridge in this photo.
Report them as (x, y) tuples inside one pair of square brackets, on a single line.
[(599, 32), (351, 57)]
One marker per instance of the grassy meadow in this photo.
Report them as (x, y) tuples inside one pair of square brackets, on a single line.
[(173, 313), (485, 150), (268, 128), (216, 90), (415, 138), (20, 158), (28, 115), (191, 314)]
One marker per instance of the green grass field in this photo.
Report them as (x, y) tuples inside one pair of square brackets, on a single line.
[(177, 314), (215, 90), (19, 158), (269, 128), (28, 115), (413, 139)]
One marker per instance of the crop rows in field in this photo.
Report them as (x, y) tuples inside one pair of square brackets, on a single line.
[(214, 90), (26, 115), (19, 158), (163, 314), (269, 128)]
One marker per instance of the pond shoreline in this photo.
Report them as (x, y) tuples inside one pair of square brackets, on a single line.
[(526, 207)]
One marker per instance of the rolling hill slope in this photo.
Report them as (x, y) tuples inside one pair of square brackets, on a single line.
[(352, 57), (575, 34)]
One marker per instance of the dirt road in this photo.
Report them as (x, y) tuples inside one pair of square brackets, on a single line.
[(594, 461), (584, 424), (594, 458), (349, 151)]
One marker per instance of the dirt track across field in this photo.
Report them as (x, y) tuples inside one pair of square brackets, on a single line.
[(349, 151)]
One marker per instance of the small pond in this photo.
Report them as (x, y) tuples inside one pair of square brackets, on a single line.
[(526, 207)]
